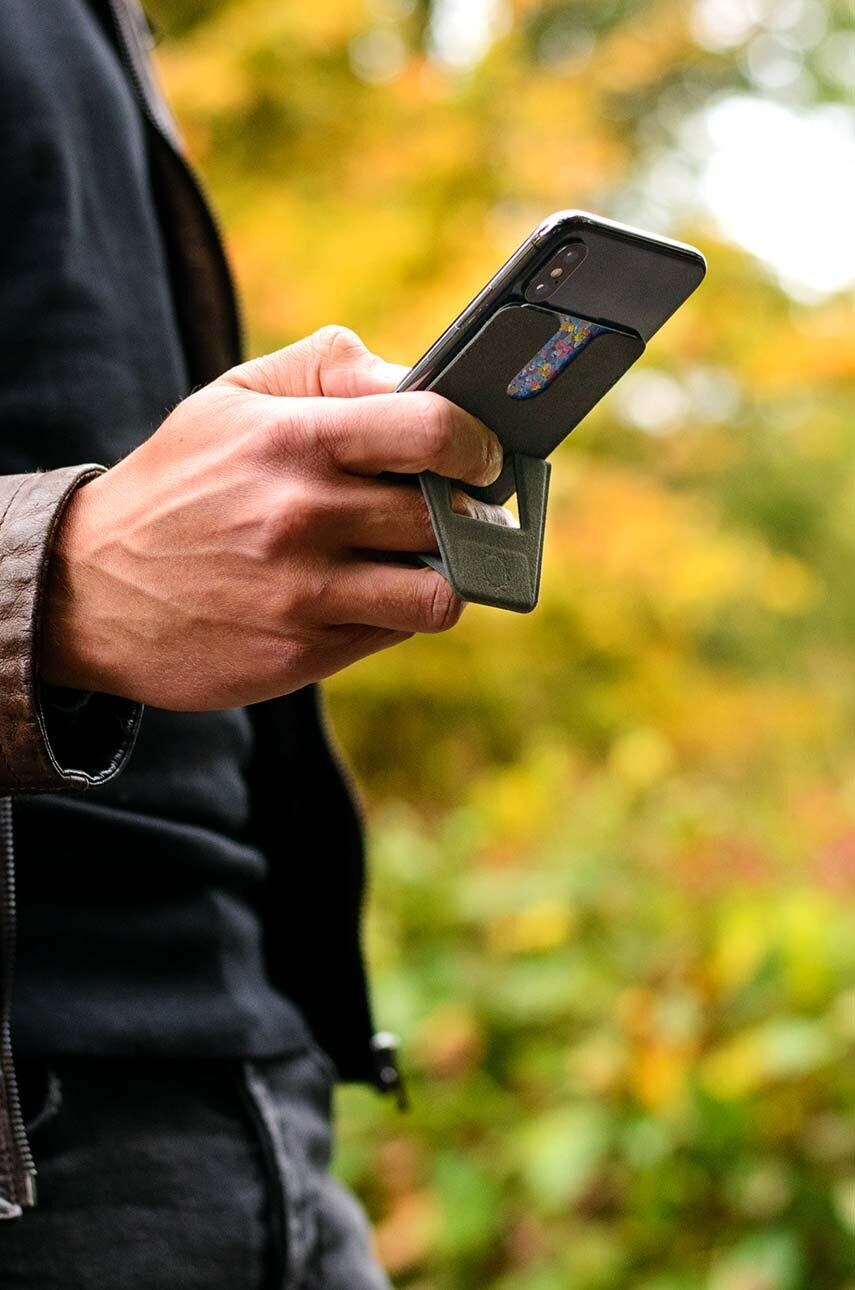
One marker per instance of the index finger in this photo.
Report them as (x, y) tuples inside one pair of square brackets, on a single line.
[(406, 433)]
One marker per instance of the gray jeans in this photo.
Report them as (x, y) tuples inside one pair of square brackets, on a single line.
[(185, 1176)]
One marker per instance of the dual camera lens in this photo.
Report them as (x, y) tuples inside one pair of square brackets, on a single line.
[(554, 273)]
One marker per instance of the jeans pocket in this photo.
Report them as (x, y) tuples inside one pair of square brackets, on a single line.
[(285, 1171)]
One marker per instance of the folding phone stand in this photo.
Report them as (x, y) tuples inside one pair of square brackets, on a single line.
[(489, 563), (485, 562)]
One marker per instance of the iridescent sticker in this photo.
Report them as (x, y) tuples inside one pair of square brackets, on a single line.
[(552, 358)]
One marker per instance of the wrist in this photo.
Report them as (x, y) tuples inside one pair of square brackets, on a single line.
[(70, 656)]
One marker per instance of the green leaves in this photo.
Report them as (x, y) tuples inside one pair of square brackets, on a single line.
[(559, 1153), (765, 1261)]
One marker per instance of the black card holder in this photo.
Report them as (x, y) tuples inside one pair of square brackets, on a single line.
[(487, 563)]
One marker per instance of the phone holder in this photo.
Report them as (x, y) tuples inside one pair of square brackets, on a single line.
[(487, 563)]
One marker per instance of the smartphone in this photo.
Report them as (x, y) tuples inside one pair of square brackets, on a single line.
[(555, 328)]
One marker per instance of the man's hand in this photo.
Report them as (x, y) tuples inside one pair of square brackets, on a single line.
[(232, 556)]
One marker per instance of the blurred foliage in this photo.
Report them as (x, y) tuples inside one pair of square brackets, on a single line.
[(614, 842)]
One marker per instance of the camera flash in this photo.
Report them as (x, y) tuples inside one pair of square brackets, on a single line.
[(553, 275)]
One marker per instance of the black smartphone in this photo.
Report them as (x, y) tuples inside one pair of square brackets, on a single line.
[(555, 328)]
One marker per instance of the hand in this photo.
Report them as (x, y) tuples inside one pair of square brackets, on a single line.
[(233, 556)]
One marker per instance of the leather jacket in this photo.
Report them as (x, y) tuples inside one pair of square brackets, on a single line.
[(292, 744)]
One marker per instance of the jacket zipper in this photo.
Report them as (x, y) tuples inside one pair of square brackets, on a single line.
[(18, 1176)]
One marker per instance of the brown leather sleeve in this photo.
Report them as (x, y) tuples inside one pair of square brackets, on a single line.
[(42, 747)]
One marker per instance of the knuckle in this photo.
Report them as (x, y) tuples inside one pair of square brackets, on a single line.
[(294, 602), (307, 592), (275, 439), (420, 521), (295, 436), (322, 584), (296, 518), (425, 530), (310, 512), (436, 428), (272, 535), (336, 342), (302, 513)]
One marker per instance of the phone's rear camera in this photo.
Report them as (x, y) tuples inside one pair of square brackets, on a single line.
[(555, 272)]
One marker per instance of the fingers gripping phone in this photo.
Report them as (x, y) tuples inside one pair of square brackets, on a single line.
[(537, 348)]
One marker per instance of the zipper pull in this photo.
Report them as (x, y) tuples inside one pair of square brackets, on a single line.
[(384, 1052)]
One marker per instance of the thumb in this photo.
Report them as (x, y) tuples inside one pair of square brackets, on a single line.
[(332, 362)]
